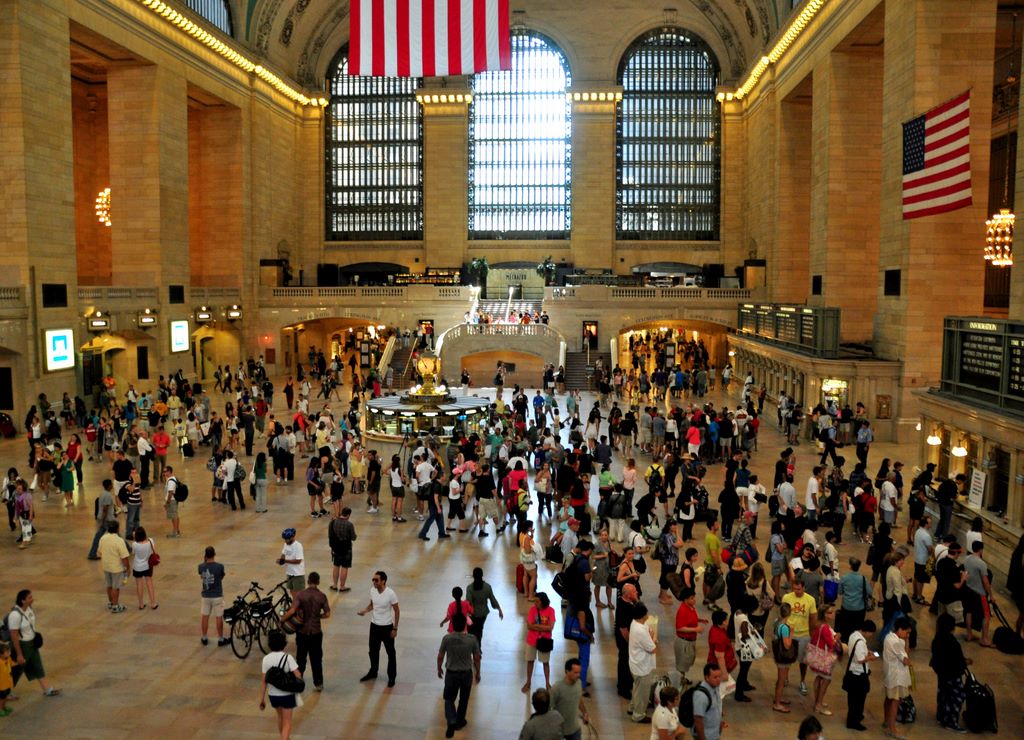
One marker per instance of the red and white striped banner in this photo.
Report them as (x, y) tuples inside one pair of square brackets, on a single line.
[(428, 38)]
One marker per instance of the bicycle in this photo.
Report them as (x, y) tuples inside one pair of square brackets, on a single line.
[(270, 612), (246, 617)]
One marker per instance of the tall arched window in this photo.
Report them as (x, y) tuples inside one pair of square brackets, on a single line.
[(519, 145), (374, 153), (216, 11), (668, 146)]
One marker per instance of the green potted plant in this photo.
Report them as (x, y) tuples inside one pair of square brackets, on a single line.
[(478, 269), (546, 269)]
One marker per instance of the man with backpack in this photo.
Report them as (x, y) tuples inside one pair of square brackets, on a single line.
[(174, 492), (700, 707)]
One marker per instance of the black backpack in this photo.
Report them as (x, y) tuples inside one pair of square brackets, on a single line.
[(654, 480), (685, 710), (180, 491)]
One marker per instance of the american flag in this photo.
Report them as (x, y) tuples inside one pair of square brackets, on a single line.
[(937, 159), (428, 38)]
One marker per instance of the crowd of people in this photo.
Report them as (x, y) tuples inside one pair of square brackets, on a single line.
[(541, 468)]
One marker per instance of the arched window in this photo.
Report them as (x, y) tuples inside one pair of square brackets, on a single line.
[(519, 146), (216, 11), (668, 144), (374, 157)]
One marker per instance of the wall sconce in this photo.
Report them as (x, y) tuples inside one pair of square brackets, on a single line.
[(235, 312), (98, 322), (917, 427), (204, 314), (933, 439), (959, 450), (147, 318)]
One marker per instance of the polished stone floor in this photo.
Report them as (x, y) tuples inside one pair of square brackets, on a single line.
[(145, 673)]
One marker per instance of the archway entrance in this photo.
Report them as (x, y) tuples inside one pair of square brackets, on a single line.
[(671, 342), (214, 345), (334, 336)]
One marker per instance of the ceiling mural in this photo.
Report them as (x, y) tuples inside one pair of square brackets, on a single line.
[(300, 37)]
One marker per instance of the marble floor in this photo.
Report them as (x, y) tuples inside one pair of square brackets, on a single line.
[(145, 674)]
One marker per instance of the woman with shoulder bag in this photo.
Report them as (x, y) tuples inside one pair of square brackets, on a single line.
[(27, 642), (825, 647), (528, 559), (749, 647), (144, 557), (784, 650), (283, 701), (759, 588), (540, 621), (628, 572)]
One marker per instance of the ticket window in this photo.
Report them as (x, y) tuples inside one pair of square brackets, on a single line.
[(836, 391)]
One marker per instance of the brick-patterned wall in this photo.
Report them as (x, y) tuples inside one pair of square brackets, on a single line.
[(92, 174)]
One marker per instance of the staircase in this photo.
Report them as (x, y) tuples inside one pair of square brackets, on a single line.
[(497, 308), (576, 367), (399, 361)]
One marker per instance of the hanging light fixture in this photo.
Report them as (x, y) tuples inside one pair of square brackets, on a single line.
[(959, 450), (934, 439), (103, 207), (999, 228)]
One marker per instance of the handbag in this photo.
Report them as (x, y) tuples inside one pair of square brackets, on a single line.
[(252, 477), (573, 630), (284, 680), (765, 600), (544, 644), (154, 559), (37, 641), (819, 659), (869, 599), (782, 654), (831, 590), (848, 680), (753, 646)]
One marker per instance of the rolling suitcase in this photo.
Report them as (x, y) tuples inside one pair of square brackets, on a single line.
[(980, 711), (520, 578), (1005, 638), (187, 450)]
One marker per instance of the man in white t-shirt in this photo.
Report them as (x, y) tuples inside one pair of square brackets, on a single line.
[(887, 499), (383, 626), (813, 489), (424, 472), (642, 662), (292, 558)]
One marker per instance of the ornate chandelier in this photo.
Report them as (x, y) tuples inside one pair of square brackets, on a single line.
[(999, 238), (103, 207)]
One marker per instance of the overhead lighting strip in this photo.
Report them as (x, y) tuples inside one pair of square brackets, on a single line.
[(200, 34)]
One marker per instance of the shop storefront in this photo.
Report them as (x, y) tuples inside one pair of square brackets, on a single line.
[(813, 380)]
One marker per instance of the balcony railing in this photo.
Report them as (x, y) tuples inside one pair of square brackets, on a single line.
[(498, 330), (628, 293)]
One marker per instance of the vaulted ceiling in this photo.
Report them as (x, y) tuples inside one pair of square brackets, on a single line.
[(301, 37)]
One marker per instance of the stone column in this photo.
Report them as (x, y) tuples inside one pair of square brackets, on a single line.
[(593, 185), (788, 271), (934, 49), (1017, 274), (36, 168), (445, 186), (845, 186), (731, 229), (148, 118)]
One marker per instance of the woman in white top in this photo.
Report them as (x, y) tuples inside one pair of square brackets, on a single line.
[(896, 665), (284, 702), (665, 721), (142, 549)]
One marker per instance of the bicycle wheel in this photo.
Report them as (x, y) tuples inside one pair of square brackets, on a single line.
[(267, 623), (241, 636)]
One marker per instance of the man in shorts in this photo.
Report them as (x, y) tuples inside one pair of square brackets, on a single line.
[(212, 574), (802, 621), (170, 502), (487, 506), (341, 533), (292, 558), (114, 554)]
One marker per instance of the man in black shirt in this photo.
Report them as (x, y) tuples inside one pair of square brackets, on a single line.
[(487, 507), (122, 469), (946, 496), (625, 609), (782, 466), (578, 576)]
